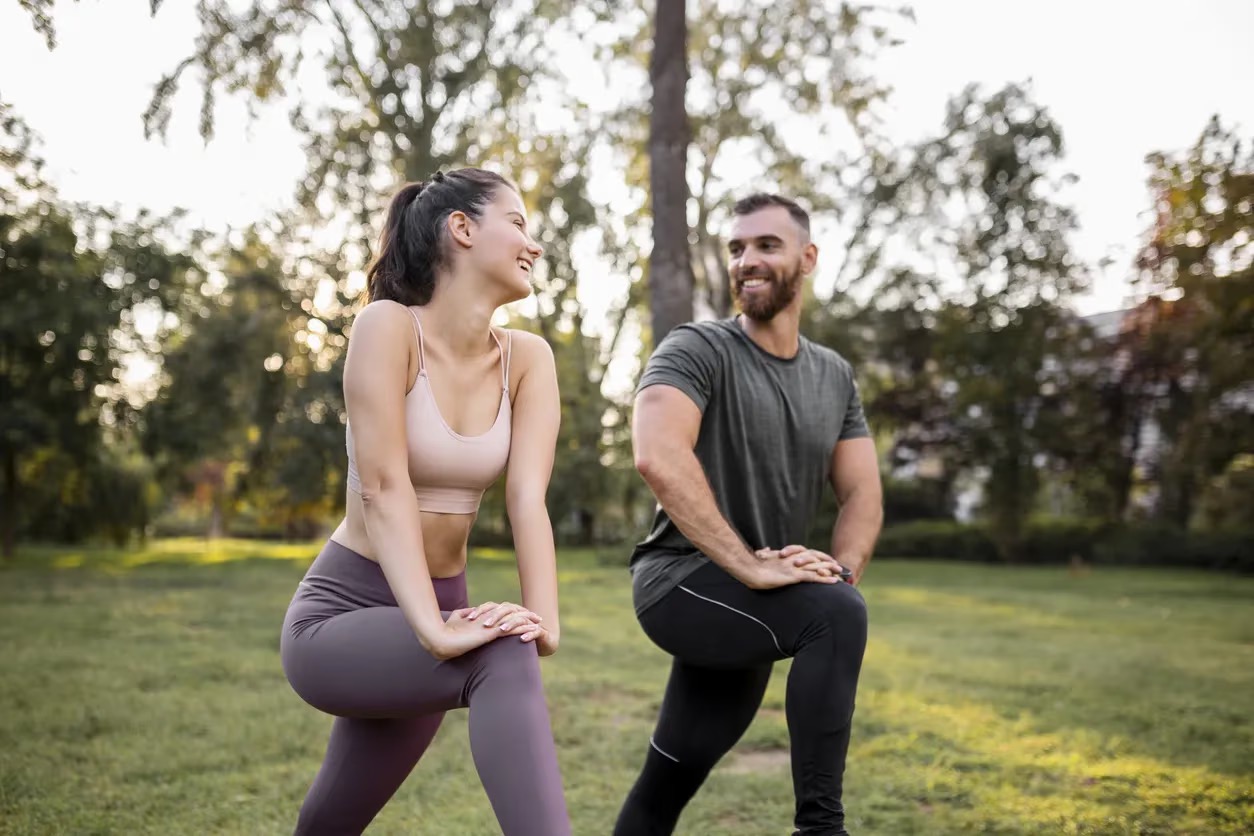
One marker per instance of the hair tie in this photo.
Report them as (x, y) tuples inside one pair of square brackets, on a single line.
[(438, 177)]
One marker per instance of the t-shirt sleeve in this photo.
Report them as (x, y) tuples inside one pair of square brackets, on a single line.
[(686, 360), (854, 424)]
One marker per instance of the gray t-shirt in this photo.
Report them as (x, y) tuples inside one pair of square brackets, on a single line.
[(768, 429)]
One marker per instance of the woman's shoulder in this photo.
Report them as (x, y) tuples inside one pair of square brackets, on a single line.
[(381, 322), (381, 311), (528, 351), (527, 346)]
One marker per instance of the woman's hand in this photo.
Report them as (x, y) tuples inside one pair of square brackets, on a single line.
[(546, 642), (473, 627), (511, 620), (505, 616), (458, 636)]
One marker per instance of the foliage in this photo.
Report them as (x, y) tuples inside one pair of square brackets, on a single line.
[(1200, 257), (78, 281), (962, 242), (953, 303), (1077, 542)]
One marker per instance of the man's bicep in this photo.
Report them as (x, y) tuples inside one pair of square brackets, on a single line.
[(854, 423), (686, 361), (855, 467), (664, 417)]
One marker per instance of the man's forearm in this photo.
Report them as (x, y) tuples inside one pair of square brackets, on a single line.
[(679, 483), (857, 528)]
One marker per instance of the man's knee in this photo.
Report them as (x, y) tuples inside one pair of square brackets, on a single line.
[(838, 610)]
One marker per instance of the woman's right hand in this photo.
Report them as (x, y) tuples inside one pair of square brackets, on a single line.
[(473, 627)]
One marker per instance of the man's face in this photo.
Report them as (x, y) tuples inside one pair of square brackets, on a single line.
[(769, 256)]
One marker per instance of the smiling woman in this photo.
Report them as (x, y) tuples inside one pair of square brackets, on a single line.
[(380, 633)]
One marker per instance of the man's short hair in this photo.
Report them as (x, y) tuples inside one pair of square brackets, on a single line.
[(762, 200)]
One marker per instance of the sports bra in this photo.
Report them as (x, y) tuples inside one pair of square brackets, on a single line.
[(449, 471)]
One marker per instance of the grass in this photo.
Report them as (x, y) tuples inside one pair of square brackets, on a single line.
[(141, 693)]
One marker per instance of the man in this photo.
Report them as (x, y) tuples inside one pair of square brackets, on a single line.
[(738, 424)]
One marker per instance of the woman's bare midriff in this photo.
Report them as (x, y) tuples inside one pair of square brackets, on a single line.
[(444, 537)]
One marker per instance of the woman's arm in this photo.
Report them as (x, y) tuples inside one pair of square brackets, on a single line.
[(376, 376), (537, 415)]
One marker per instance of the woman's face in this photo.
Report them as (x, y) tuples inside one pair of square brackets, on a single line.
[(503, 250)]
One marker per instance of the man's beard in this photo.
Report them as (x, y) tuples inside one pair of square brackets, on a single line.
[(783, 290)]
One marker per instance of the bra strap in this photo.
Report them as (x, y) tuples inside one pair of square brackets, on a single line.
[(504, 360), (509, 351), (422, 360)]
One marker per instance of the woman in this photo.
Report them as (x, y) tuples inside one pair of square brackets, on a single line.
[(439, 402)]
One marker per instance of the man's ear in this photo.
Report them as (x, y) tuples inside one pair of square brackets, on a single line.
[(809, 258)]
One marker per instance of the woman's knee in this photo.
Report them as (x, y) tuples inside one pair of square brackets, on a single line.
[(510, 661)]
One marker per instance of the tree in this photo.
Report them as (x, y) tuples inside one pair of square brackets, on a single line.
[(965, 238), (780, 95), (417, 88), (1200, 259), (413, 87), (226, 381), (76, 278), (419, 85), (670, 269), (41, 17)]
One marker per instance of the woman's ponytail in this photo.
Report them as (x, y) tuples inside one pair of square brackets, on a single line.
[(411, 248)]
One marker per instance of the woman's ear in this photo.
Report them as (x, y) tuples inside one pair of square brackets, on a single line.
[(460, 228)]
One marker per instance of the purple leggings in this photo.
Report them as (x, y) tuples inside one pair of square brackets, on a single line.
[(347, 650)]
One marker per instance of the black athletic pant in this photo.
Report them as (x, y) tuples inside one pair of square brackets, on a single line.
[(725, 638)]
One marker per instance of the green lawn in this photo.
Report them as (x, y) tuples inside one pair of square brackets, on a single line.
[(141, 692)]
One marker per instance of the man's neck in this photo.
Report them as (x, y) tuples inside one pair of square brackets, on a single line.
[(779, 335)]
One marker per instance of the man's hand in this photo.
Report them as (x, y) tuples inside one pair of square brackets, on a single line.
[(855, 566), (848, 568), (773, 569)]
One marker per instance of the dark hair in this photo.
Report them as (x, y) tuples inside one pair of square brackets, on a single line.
[(412, 246), (761, 200)]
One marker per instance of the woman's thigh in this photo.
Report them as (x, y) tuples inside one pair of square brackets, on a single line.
[(368, 663)]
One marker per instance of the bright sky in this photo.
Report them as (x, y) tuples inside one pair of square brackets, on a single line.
[(1122, 78)]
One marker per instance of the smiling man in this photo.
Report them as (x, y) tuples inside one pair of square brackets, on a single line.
[(739, 424)]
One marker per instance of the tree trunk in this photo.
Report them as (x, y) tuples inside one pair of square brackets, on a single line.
[(1121, 481), (709, 260), (719, 280), (216, 526), (670, 264), (8, 514)]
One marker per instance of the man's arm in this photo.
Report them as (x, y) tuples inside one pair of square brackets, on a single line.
[(856, 481), (665, 425)]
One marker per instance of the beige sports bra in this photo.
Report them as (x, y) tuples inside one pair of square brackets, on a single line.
[(449, 471)]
